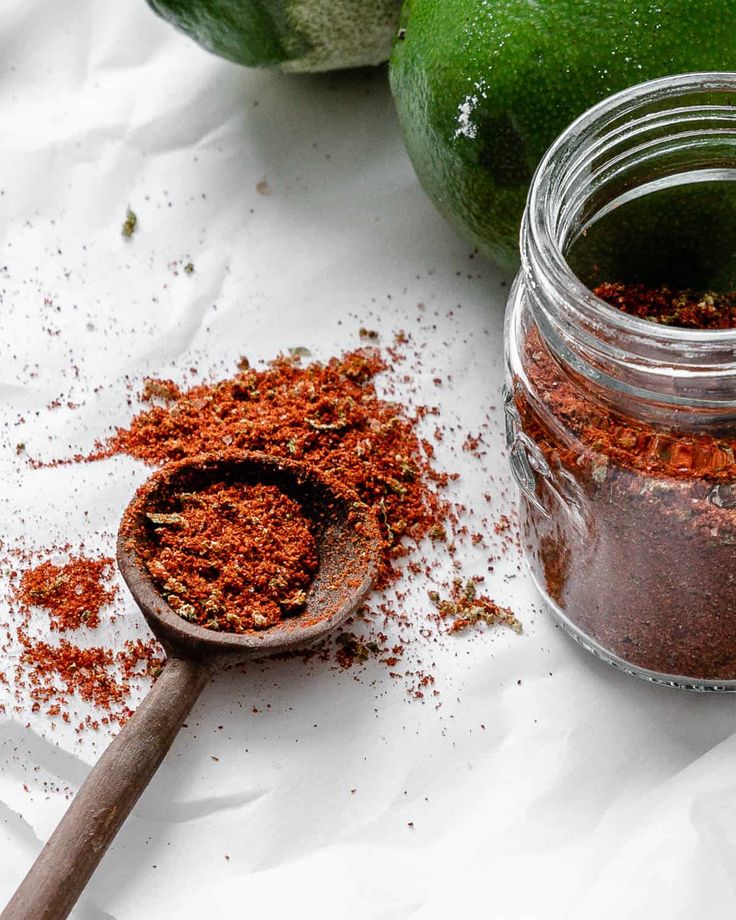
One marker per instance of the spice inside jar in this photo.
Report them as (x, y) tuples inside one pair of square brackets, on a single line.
[(233, 556), (649, 573), (621, 399)]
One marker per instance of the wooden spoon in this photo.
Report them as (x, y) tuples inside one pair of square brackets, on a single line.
[(348, 541)]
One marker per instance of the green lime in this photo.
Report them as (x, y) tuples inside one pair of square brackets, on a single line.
[(483, 87), (295, 35)]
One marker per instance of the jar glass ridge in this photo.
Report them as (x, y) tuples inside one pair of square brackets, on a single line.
[(621, 431)]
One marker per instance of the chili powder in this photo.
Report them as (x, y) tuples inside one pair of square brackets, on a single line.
[(232, 557), (49, 675), (73, 594)]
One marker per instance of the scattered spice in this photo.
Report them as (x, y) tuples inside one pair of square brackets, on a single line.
[(653, 506), (465, 607), (129, 224), (73, 594), (233, 557), (49, 675), (96, 674), (82, 670), (352, 648)]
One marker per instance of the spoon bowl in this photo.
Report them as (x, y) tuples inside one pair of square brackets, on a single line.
[(348, 543)]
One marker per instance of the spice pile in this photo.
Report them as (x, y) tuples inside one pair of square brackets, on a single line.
[(645, 567), (329, 415), (232, 557)]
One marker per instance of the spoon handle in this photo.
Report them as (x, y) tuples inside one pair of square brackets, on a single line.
[(105, 799)]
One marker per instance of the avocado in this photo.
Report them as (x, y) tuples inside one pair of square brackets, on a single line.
[(483, 87), (293, 35)]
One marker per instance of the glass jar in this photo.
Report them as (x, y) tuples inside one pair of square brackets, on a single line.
[(621, 431)]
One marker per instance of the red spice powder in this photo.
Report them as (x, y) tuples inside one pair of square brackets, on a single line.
[(85, 671), (96, 674), (140, 659), (233, 557), (49, 675), (73, 594)]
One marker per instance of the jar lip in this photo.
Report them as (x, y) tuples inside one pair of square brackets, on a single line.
[(540, 232)]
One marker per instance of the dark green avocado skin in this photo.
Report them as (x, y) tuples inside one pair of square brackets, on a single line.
[(525, 69), (299, 36), (248, 32)]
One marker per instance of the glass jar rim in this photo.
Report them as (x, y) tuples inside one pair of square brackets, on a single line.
[(539, 237)]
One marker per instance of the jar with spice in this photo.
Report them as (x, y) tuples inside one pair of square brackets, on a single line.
[(621, 395)]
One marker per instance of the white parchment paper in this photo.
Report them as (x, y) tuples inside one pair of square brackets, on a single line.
[(544, 784)]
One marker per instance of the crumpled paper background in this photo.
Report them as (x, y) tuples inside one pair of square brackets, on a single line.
[(544, 784)]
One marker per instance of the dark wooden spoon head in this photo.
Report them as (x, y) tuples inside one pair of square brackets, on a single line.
[(348, 540)]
